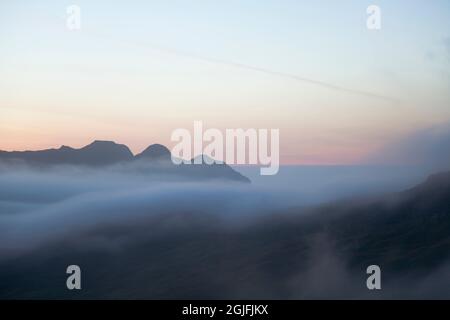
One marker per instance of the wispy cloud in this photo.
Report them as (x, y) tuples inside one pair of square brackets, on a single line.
[(270, 72)]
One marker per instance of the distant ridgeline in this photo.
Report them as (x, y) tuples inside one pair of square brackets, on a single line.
[(156, 160)]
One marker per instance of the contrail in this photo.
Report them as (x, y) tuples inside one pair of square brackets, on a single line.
[(290, 76), (190, 55), (277, 73), (286, 75)]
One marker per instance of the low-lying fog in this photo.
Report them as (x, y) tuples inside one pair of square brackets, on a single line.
[(136, 236)]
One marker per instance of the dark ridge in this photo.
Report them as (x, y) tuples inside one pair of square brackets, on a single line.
[(156, 159), (98, 153), (155, 152)]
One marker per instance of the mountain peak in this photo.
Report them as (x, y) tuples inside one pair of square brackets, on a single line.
[(155, 152), (65, 148), (102, 143), (101, 151)]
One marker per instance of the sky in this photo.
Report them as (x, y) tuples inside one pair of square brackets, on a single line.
[(137, 70)]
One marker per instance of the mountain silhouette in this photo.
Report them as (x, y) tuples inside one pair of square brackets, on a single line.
[(155, 152), (156, 159), (98, 153), (207, 167)]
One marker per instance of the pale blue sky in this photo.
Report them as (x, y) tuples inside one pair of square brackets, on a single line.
[(128, 74)]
